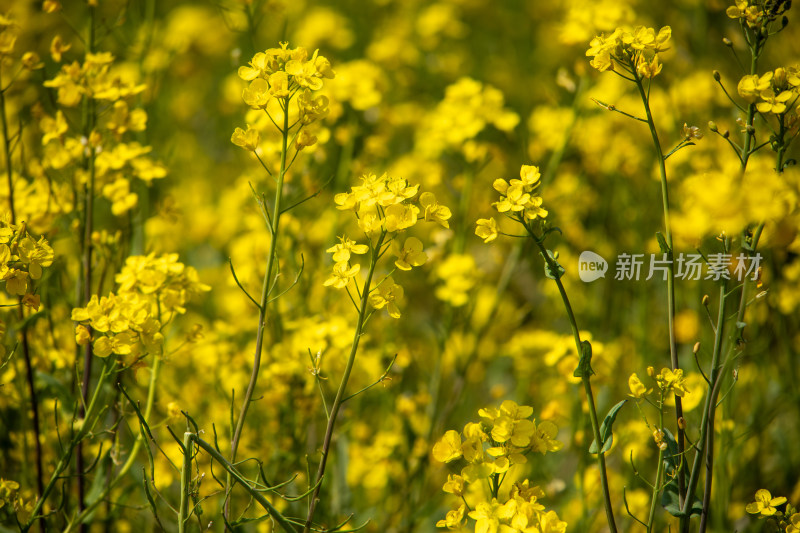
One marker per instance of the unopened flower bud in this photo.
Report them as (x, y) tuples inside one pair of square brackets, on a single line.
[(681, 423), (716, 75), (704, 301), (727, 42), (726, 134), (696, 348), (713, 126)]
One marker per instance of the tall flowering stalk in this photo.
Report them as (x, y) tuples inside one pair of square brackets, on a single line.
[(634, 56), (282, 85), (18, 248), (386, 208), (520, 202), (772, 97)]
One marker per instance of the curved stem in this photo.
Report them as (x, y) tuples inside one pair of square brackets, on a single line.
[(262, 313), (7, 148), (704, 443), (673, 349), (340, 393), (186, 481), (586, 379), (87, 246), (66, 457), (659, 471), (256, 494), (140, 440)]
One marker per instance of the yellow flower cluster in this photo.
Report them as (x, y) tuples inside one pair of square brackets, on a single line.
[(162, 277), (756, 13), (22, 259), (129, 323), (635, 52), (502, 439), (772, 91), (518, 200), (115, 162), (93, 79), (668, 382), (278, 75), (468, 107), (385, 206)]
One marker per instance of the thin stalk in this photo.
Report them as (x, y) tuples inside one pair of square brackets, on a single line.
[(340, 394), (186, 480), (66, 457), (88, 121), (673, 349), (704, 443), (254, 493), (262, 313), (100, 498), (26, 352), (749, 132), (716, 379), (656, 489), (7, 147), (586, 379)]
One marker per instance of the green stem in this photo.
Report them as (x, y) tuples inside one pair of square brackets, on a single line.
[(140, 440), (88, 123), (716, 380), (673, 349), (586, 379), (186, 481), (7, 147), (340, 393), (26, 352), (706, 441), (64, 460), (750, 132), (276, 217), (254, 493), (659, 471)]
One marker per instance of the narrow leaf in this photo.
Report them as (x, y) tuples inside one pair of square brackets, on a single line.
[(605, 429)]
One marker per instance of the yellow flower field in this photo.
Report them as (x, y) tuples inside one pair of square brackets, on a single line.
[(399, 266)]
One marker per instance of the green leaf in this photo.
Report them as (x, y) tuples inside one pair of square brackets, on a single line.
[(669, 498), (672, 458), (671, 501), (662, 243), (605, 429), (585, 364), (150, 499), (559, 270)]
